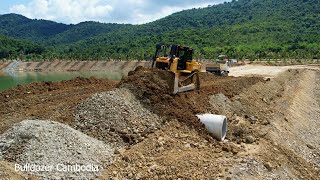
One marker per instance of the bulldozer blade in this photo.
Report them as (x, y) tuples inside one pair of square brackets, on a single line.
[(187, 88), (178, 89)]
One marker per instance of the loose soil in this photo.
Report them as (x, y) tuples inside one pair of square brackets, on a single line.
[(116, 117), (49, 143), (152, 88), (47, 100), (253, 106), (273, 127)]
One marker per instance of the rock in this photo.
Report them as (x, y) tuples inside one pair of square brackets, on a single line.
[(262, 133), (252, 119), (152, 168), (159, 144), (138, 176), (119, 151), (235, 151), (226, 148), (234, 148), (187, 145), (130, 175), (250, 139), (161, 139), (194, 145), (310, 146), (268, 166), (228, 178), (7, 96), (265, 122), (126, 158), (159, 149)]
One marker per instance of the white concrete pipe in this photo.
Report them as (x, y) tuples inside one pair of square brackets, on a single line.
[(215, 124)]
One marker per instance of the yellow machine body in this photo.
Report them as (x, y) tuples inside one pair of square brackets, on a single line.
[(181, 66)]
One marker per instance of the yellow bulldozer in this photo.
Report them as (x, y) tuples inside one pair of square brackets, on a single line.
[(179, 61)]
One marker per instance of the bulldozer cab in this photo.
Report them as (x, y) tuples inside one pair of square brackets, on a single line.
[(183, 53), (179, 62)]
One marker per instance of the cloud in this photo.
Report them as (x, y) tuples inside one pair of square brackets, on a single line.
[(124, 11)]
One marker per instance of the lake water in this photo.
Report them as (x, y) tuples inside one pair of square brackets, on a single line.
[(13, 78)]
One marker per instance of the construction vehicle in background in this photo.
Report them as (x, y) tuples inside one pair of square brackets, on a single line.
[(179, 62), (220, 66)]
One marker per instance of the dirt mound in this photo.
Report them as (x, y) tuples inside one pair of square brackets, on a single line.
[(43, 87), (150, 81), (116, 116), (253, 107), (175, 151), (46, 143), (229, 86), (48, 100), (152, 88)]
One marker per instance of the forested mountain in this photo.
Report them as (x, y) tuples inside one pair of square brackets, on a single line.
[(49, 32), (10, 47), (18, 26), (82, 31), (243, 28)]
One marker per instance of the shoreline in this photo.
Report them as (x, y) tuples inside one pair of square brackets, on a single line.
[(123, 66)]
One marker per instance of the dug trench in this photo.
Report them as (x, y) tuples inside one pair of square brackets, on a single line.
[(157, 135)]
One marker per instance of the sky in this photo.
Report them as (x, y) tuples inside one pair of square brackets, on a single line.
[(107, 11)]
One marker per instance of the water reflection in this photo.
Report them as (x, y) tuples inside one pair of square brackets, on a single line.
[(10, 79)]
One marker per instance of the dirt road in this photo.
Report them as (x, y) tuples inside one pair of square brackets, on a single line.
[(265, 71), (273, 124)]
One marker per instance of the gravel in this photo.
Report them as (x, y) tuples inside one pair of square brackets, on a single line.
[(56, 146), (116, 117), (224, 105)]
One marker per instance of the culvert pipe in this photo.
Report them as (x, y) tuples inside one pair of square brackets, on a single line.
[(215, 124)]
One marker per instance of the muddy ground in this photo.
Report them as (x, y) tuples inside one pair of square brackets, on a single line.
[(273, 124)]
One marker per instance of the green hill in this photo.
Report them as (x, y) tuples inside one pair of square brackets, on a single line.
[(82, 31), (12, 48), (243, 28), (49, 32), (18, 26)]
